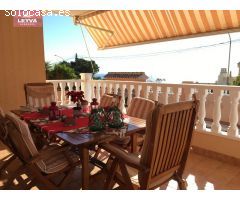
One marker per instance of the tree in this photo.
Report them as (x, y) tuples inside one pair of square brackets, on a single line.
[(237, 81), (62, 71), (66, 70), (84, 66), (160, 80), (48, 68)]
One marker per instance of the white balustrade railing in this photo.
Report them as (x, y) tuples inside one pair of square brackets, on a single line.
[(219, 105), (61, 87)]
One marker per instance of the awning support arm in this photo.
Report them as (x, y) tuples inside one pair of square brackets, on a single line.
[(77, 21)]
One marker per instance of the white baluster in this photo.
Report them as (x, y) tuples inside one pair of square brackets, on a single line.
[(137, 90), (155, 92), (70, 85), (144, 91), (165, 91), (133, 92), (216, 126), (115, 86), (101, 89), (92, 89), (59, 93), (187, 92), (233, 118), (129, 88), (122, 89), (98, 85), (149, 93), (86, 85), (109, 88), (77, 84), (106, 88), (62, 85), (176, 94), (201, 124), (55, 91)]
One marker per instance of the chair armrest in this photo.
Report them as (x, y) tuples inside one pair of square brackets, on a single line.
[(130, 159)]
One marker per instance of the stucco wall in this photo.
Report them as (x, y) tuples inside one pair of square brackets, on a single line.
[(217, 143), (21, 61)]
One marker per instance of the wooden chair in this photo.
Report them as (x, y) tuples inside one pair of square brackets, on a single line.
[(165, 150), (4, 139), (2, 125), (139, 108), (41, 165), (107, 101), (39, 94)]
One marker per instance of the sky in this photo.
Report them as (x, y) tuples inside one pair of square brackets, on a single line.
[(175, 61)]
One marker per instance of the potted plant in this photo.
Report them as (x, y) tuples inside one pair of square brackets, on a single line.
[(78, 98)]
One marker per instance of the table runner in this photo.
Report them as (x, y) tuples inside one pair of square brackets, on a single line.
[(54, 127), (37, 115)]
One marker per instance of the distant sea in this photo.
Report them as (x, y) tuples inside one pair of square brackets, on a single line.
[(151, 78), (99, 75)]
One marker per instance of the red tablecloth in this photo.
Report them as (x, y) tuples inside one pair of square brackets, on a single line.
[(55, 127), (52, 127), (36, 115)]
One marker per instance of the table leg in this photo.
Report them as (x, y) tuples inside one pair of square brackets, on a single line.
[(134, 143), (84, 154)]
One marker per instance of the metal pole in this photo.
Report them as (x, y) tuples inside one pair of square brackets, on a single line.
[(59, 57), (229, 58), (87, 48)]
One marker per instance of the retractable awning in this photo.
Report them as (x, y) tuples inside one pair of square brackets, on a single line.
[(117, 28)]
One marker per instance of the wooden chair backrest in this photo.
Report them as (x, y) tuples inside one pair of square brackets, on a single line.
[(107, 100), (39, 94), (20, 137), (168, 137), (4, 132), (140, 107)]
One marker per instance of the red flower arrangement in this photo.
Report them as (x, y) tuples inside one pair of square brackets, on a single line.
[(76, 96)]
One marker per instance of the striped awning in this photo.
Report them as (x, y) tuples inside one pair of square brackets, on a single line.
[(130, 27)]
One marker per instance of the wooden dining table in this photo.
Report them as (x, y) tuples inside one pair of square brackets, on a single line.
[(84, 141)]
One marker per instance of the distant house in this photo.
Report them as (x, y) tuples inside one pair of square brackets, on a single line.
[(223, 77), (126, 76)]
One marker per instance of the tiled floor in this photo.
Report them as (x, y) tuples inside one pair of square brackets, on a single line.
[(201, 173)]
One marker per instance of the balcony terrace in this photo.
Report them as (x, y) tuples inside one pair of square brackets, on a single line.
[(214, 159)]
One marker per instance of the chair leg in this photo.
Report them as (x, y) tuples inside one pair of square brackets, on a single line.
[(48, 184), (97, 153), (12, 177), (126, 177), (182, 184), (111, 174), (65, 179)]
